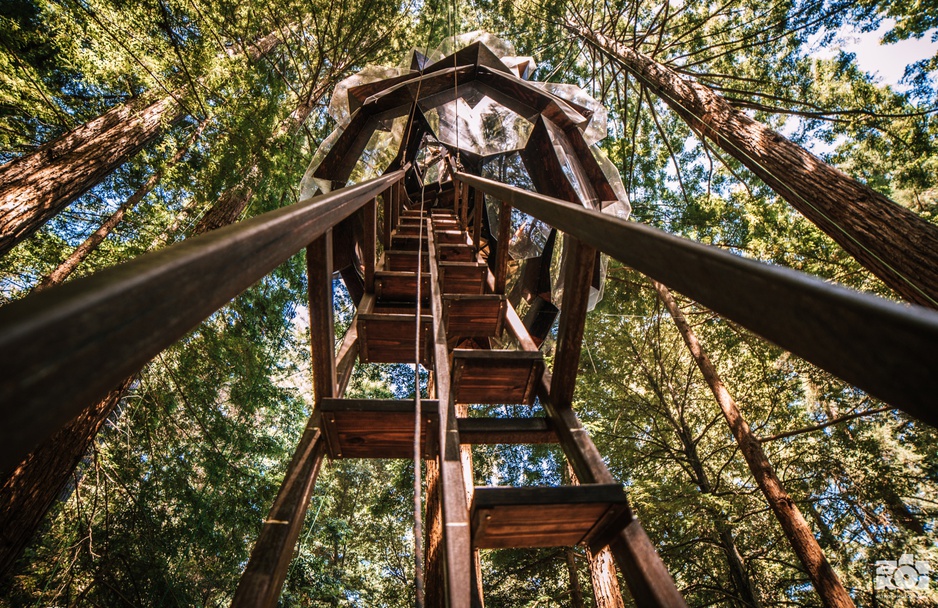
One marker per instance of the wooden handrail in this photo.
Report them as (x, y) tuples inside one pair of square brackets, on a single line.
[(889, 350), (63, 349)]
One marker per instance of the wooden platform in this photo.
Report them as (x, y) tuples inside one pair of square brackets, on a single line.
[(401, 286), (495, 376), (387, 336), (474, 316), (377, 428), (463, 277), (505, 517)]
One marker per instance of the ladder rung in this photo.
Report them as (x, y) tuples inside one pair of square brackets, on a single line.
[(387, 337), (505, 517), (377, 428), (495, 376), (474, 316)]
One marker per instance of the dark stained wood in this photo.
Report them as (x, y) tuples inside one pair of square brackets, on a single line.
[(456, 253), (478, 206), (463, 277), (506, 431), (505, 517), (884, 348), (65, 348), (480, 316), (495, 376), (319, 271), (389, 337), (408, 242), (369, 243), (576, 289), (451, 237), (457, 534), (387, 226), (377, 428), (405, 261), (399, 286), (347, 355), (266, 570), (501, 252)]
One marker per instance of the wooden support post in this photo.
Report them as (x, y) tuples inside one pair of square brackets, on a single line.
[(463, 204), (501, 257), (456, 531), (396, 202), (369, 243), (387, 200), (266, 571), (578, 276), (263, 577), (648, 580), (477, 210), (321, 325)]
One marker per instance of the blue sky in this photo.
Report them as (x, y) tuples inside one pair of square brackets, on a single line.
[(888, 61)]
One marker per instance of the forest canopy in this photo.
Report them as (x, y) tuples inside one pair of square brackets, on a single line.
[(185, 116)]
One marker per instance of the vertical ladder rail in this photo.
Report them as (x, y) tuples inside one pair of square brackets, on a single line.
[(456, 532)]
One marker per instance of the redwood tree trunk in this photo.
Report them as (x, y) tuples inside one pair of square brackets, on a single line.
[(796, 529), (28, 492), (606, 590), (35, 187), (90, 244), (891, 241)]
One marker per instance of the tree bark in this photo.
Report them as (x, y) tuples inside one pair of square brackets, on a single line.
[(891, 241), (606, 590), (233, 201), (90, 244), (29, 490), (435, 591), (35, 187), (796, 529)]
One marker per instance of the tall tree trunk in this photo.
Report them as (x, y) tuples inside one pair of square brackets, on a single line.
[(740, 577), (227, 209), (434, 560), (37, 186), (29, 490), (606, 590), (891, 241), (90, 244), (799, 534), (576, 592)]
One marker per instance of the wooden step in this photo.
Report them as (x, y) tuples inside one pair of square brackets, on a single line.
[(505, 517), (414, 230), (401, 286), (474, 316), (438, 212), (377, 428), (451, 237), (463, 277), (454, 253), (407, 242), (495, 376), (404, 261), (387, 335)]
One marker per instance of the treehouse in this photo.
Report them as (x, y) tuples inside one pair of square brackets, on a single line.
[(473, 226)]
